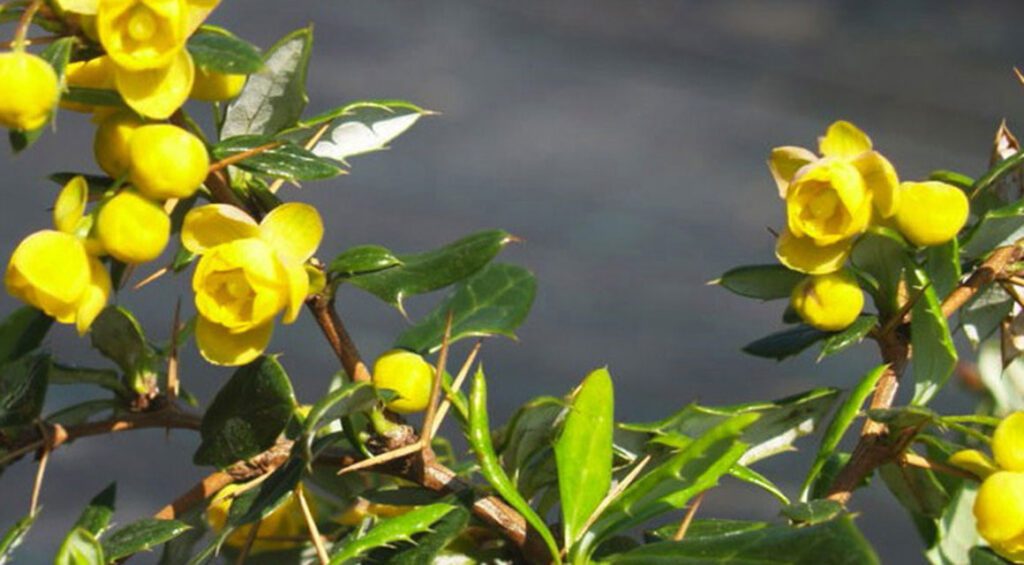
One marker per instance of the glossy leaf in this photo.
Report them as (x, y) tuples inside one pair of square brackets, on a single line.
[(526, 442), (13, 537), (22, 390), (767, 282), (93, 96), (216, 50), (934, 353), (142, 535), (362, 259), (839, 541), (813, 512), (433, 270), (918, 490), (981, 317), (393, 530), (80, 548), (479, 436), (284, 161), (273, 98), (750, 476), (849, 337), (118, 336), (959, 180), (83, 411), (67, 375), (840, 423), (879, 257), (583, 452), (997, 172), (494, 301), (96, 516), (247, 415), (258, 502), (21, 332), (786, 343), (942, 263), (358, 128), (429, 545), (349, 398), (998, 227)]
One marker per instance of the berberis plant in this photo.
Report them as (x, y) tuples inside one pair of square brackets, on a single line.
[(358, 474)]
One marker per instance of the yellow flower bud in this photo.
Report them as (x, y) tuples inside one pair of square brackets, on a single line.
[(30, 90), (409, 375), (828, 202), (973, 461), (133, 229), (97, 72), (212, 86), (1008, 442), (932, 212), (828, 302), (142, 34), (111, 142), (999, 513), (167, 162), (284, 528)]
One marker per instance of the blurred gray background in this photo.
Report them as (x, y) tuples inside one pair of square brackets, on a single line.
[(625, 142)]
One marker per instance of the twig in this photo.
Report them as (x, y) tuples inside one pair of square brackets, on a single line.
[(337, 336), (314, 532), (172, 357), (23, 24), (383, 458), (249, 540), (435, 388), (688, 519), (613, 494), (151, 277), (456, 385), (37, 485), (42, 40), (915, 460)]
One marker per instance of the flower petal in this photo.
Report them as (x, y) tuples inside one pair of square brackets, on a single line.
[(973, 461), (95, 296), (221, 347), (157, 93), (298, 289), (198, 11), (881, 181), (50, 267), (843, 140), (1008, 442), (211, 225), (294, 230), (70, 205), (784, 162), (801, 254)]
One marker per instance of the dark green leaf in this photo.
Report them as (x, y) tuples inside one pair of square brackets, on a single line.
[(985, 556), (707, 528), (954, 178), (849, 337), (257, 503), (942, 263), (916, 489), (750, 476), (96, 517), (813, 512), (786, 343), (479, 435), (98, 184), (80, 548), (879, 257), (934, 353), (903, 417), (118, 336), (841, 422), (583, 452), (980, 317), (426, 272), (997, 172), (273, 98), (247, 415), (998, 227), (92, 96), (837, 542), (349, 398), (82, 412), (429, 545), (362, 259), (14, 536), (68, 375), (767, 282), (392, 530), (139, 536), (359, 127), (22, 389), (224, 53), (494, 301), (21, 332), (284, 161), (525, 444)]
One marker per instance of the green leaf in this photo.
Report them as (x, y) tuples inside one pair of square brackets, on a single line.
[(957, 531), (748, 475), (247, 415), (426, 272), (942, 263), (998, 227), (349, 398), (118, 336), (224, 53), (918, 490), (837, 542), (139, 536), (81, 412), (813, 512), (959, 180), (494, 301), (259, 502), (934, 352), (767, 282), (670, 485), (429, 545), (841, 422), (57, 55), (393, 530), (583, 452), (997, 172), (359, 127), (67, 375), (479, 436), (273, 98), (285, 161), (526, 442), (705, 528), (362, 259), (980, 317), (96, 516), (879, 257), (786, 343), (14, 536), (80, 548), (985, 556), (22, 390), (21, 332), (849, 337), (93, 96)]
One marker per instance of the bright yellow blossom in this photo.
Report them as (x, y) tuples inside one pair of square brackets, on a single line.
[(97, 72), (143, 34), (828, 202), (30, 90), (828, 302), (999, 513), (111, 142), (167, 161), (284, 528), (802, 254), (932, 212), (212, 86), (409, 375), (133, 229), (157, 93), (52, 270), (248, 274)]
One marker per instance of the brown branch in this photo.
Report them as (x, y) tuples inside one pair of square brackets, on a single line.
[(337, 336), (239, 157)]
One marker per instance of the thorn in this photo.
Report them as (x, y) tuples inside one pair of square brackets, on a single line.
[(685, 524), (314, 532), (383, 458), (435, 387), (154, 276), (456, 385)]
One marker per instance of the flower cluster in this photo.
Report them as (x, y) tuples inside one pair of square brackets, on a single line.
[(834, 198)]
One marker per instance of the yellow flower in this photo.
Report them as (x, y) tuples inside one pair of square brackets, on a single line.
[(1008, 442), (409, 375), (284, 528), (802, 254), (52, 270), (157, 93), (931, 212), (828, 202), (111, 142), (97, 73), (30, 90), (133, 229), (143, 34), (212, 86), (999, 513), (248, 273), (167, 161), (828, 302)]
